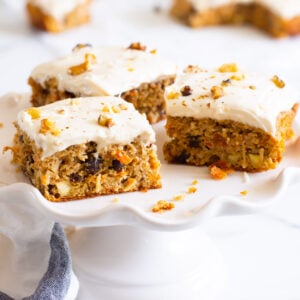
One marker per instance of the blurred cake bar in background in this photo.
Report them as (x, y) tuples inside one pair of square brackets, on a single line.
[(229, 118), (84, 147), (276, 17), (137, 75), (58, 15)]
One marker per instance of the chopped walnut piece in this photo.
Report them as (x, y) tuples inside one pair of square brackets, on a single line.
[(195, 182), (61, 111), (137, 46), (162, 205), (278, 82), (80, 46), (34, 112), (217, 92), (89, 59), (105, 121), (252, 87), (153, 51), (244, 193), (116, 109), (193, 69), (186, 91), (49, 126), (106, 108), (192, 190), (232, 67)]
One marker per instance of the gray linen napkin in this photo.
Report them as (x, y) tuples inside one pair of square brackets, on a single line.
[(56, 281)]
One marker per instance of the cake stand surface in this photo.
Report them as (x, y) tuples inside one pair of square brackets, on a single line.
[(123, 251)]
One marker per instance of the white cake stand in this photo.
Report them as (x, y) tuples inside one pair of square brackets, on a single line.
[(123, 251)]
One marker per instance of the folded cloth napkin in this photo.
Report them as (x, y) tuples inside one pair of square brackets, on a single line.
[(35, 261)]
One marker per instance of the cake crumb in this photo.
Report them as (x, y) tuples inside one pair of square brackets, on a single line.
[(192, 190), (278, 82), (162, 206), (115, 200), (217, 173), (137, 46), (231, 67), (244, 193), (179, 197)]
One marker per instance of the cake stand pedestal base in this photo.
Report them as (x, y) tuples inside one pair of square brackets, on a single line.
[(131, 263)]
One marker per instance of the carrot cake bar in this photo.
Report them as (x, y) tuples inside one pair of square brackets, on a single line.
[(137, 75), (228, 118), (276, 17), (84, 147), (58, 15)]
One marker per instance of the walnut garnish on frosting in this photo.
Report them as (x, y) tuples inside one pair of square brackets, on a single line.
[(137, 46), (34, 113), (238, 77), (232, 67), (89, 60), (105, 121), (252, 87), (80, 46), (173, 95), (162, 205), (48, 126), (217, 92), (179, 197), (278, 82), (186, 91), (192, 190)]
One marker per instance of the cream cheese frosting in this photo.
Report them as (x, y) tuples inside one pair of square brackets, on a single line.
[(58, 9), (285, 8), (104, 120), (114, 70), (253, 99)]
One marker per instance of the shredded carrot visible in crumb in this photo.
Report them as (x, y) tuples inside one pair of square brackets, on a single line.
[(244, 193), (179, 197), (162, 205), (34, 112), (122, 157), (192, 190)]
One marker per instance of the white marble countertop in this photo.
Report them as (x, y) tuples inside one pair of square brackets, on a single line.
[(261, 251)]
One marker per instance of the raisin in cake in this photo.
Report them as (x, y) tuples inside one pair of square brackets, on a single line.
[(276, 17), (228, 118), (83, 147), (137, 75), (58, 15)]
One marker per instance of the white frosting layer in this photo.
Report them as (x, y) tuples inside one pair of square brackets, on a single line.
[(285, 8), (77, 122), (116, 70), (57, 9), (254, 100)]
